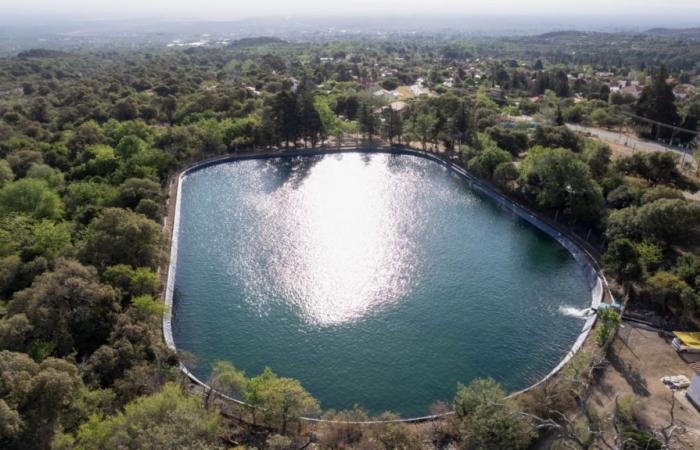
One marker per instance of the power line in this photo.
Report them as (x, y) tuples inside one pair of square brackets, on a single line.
[(661, 124)]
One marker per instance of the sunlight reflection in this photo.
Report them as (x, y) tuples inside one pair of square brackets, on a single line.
[(344, 246)]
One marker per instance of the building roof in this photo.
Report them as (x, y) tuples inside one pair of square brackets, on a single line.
[(689, 338)]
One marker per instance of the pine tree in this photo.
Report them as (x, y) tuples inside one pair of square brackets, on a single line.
[(657, 103)]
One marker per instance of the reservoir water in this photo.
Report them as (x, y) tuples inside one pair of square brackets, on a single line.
[(375, 279)]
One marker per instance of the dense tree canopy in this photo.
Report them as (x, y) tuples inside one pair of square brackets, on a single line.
[(168, 419), (118, 236), (35, 398), (557, 179), (89, 140), (488, 419), (68, 309)]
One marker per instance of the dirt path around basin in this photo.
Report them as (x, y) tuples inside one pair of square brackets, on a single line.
[(637, 360)]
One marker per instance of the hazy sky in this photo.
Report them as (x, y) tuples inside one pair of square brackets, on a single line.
[(234, 9)]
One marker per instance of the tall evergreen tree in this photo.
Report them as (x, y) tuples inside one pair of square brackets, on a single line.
[(282, 118), (367, 121), (310, 120), (392, 126), (657, 103)]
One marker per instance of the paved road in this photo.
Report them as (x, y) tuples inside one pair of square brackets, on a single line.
[(632, 142)]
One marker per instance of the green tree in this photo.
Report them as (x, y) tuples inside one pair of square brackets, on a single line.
[(488, 159), (226, 379), (342, 429), (602, 118), (597, 156), (557, 179), (666, 289), (331, 125), (119, 236), (30, 196), (423, 127), (280, 400), (622, 260), (133, 190), (650, 254), (392, 124), (489, 420), (100, 160), (557, 137), (83, 197), (514, 141), (687, 267), (668, 220), (622, 223), (168, 419), (49, 239), (282, 118), (609, 319), (657, 103), (22, 160), (53, 177), (367, 120), (658, 192), (132, 282), (36, 399), (129, 146), (505, 174), (242, 132), (395, 436), (68, 308), (15, 333), (657, 167), (6, 174), (310, 120)]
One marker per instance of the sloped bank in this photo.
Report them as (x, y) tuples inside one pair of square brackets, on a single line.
[(585, 261)]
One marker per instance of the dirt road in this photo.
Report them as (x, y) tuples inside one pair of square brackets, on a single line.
[(631, 142)]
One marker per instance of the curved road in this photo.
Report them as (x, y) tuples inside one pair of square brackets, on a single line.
[(632, 142)]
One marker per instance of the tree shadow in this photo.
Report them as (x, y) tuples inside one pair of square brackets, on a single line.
[(289, 170), (629, 373)]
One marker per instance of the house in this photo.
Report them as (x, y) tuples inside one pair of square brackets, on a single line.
[(693, 392), (683, 91), (398, 106), (621, 84), (252, 90), (417, 89), (686, 341), (383, 93), (634, 90)]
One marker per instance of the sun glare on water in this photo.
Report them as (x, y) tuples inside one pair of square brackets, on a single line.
[(342, 250)]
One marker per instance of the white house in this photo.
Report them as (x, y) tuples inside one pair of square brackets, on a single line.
[(693, 392)]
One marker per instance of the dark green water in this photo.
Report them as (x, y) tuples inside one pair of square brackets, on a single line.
[(381, 280)]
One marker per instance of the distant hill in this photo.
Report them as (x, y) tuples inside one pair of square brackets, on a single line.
[(257, 41), (41, 53), (565, 34), (681, 33)]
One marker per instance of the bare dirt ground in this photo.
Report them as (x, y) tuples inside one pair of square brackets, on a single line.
[(637, 361)]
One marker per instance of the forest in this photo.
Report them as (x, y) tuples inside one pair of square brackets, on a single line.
[(89, 142)]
